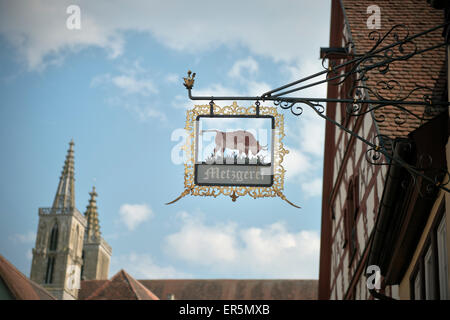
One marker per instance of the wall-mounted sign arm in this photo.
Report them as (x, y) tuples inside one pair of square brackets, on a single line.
[(296, 107), (387, 94)]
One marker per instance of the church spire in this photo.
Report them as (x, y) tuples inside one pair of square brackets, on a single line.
[(93, 226), (96, 251), (65, 194)]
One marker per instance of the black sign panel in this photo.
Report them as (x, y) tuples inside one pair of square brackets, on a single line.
[(234, 150)]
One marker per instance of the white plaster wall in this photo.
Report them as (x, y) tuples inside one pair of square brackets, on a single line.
[(339, 286)]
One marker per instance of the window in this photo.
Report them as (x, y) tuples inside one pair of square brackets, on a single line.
[(50, 268), (442, 259), (348, 219), (54, 238), (82, 266), (76, 240), (417, 287), (350, 215), (347, 92), (430, 276)]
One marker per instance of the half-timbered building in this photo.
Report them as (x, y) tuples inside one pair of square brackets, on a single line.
[(376, 215)]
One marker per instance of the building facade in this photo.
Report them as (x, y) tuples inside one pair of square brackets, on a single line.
[(375, 214), (69, 246)]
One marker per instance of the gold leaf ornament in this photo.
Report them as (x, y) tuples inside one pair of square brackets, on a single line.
[(233, 191)]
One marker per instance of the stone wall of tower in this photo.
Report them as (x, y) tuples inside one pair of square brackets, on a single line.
[(78, 238), (67, 256), (97, 257), (59, 254), (96, 251)]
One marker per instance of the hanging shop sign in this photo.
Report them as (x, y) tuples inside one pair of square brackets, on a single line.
[(234, 151)]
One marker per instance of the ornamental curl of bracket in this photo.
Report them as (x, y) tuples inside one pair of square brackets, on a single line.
[(440, 177), (426, 188), (397, 94), (421, 175), (373, 154), (296, 107), (401, 48)]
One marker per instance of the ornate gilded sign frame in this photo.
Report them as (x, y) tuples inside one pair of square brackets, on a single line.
[(234, 191)]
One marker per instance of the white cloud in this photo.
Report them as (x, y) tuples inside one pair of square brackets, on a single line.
[(142, 266), (296, 163), (134, 84), (255, 88), (41, 35), (270, 251), (248, 64), (132, 79), (29, 254), (144, 111), (312, 134), (38, 28), (312, 188), (203, 245), (302, 68), (216, 89), (248, 88), (28, 237), (132, 215), (173, 78)]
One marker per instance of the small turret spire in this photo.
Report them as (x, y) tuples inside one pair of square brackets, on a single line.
[(65, 194), (93, 225)]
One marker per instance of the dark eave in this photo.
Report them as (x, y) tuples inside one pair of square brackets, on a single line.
[(405, 205), (333, 53)]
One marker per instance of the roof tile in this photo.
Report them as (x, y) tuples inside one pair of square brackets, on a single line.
[(426, 69), (122, 286), (20, 286)]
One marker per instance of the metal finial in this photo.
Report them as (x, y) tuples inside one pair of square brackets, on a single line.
[(189, 81)]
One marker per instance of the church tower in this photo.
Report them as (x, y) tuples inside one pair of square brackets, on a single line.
[(57, 256), (96, 251)]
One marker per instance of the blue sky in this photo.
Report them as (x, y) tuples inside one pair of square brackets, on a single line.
[(115, 87)]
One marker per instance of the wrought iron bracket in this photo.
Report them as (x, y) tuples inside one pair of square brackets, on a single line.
[(357, 69)]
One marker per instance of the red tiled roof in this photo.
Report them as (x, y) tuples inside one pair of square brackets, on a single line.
[(426, 69), (234, 289), (121, 287), (88, 287), (20, 286), (215, 289)]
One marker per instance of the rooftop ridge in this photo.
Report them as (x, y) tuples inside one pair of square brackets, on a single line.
[(134, 282), (134, 288)]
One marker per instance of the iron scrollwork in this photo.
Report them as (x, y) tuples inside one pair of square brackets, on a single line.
[(380, 98)]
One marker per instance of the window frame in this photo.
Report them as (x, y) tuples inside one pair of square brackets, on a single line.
[(54, 233), (351, 210), (443, 257), (430, 243), (49, 270)]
